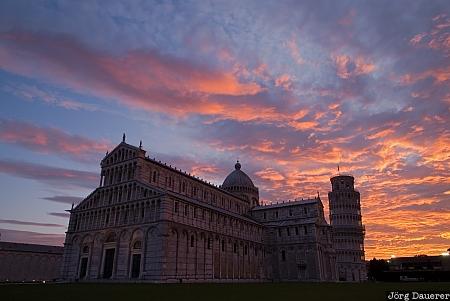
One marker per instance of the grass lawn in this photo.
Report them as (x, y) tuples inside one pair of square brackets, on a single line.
[(211, 292)]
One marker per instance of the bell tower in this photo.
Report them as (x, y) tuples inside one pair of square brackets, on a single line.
[(348, 230)]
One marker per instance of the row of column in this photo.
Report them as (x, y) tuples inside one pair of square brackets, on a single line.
[(117, 174), (193, 256), (115, 216)]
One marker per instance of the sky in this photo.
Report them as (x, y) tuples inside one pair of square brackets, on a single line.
[(290, 88)]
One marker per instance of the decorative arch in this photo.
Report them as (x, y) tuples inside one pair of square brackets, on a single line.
[(110, 237), (75, 240), (109, 254), (86, 244), (136, 246)]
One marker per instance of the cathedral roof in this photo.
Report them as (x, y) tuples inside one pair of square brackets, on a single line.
[(237, 178)]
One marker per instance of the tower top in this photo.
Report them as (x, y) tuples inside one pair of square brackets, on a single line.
[(237, 165), (341, 176)]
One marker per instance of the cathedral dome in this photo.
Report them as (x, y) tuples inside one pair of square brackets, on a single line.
[(237, 178)]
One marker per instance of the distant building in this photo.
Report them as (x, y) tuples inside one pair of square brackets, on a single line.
[(27, 262), (149, 221), (419, 268)]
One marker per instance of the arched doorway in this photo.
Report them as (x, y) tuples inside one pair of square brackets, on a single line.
[(84, 262), (136, 259), (109, 254)]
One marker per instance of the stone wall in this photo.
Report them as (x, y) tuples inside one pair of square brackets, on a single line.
[(27, 262)]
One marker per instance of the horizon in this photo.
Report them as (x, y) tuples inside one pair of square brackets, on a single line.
[(291, 90)]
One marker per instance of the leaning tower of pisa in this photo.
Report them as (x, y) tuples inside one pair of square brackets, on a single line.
[(348, 230)]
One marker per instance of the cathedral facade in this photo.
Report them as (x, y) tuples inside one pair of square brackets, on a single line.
[(150, 222)]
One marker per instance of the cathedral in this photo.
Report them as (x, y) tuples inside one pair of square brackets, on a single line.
[(151, 222)]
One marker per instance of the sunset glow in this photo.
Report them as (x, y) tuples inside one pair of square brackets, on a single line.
[(292, 89)]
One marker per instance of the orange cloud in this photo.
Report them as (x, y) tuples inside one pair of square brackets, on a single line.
[(437, 38), (284, 81), (270, 174), (440, 75), (345, 69), (141, 79), (303, 125), (267, 146)]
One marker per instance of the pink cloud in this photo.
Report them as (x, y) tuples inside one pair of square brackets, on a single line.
[(440, 76), (52, 140), (348, 19), (438, 38), (140, 79), (295, 51), (347, 67), (284, 81)]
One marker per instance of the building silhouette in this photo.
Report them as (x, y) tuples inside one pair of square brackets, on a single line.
[(348, 230), (149, 221)]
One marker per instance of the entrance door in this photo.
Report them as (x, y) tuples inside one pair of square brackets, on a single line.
[(136, 266), (83, 267), (108, 263)]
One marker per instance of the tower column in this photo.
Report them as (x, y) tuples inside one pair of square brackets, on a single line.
[(345, 218)]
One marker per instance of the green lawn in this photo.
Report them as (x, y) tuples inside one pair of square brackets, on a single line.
[(211, 292)]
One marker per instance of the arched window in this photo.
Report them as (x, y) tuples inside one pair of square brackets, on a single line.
[(137, 245), (111, 237)]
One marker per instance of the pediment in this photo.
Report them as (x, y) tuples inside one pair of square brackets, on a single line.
[(122, 152)]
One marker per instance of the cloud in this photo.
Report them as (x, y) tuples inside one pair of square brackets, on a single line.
[(295, 51), (438, 38), (64, 199), (32, 93), (59, 214), (270, 174), (435, 206), (32, 237), (144, 79), (348, 19), (440, 76), (52, 141), (27, 223), (284, 81), (346, 67), (49, 175)]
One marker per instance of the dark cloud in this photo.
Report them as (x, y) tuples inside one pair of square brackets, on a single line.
[(64, 199), (27, 223), (48, 174), (32, 237), (59, 214)]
